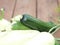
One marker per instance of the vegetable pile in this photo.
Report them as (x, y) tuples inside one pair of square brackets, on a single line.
[(26, 30)]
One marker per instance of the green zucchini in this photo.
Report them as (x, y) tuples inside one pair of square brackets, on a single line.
[(57, 42), (35, 23)]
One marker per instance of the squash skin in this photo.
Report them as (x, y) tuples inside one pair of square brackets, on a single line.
[(27, 37)]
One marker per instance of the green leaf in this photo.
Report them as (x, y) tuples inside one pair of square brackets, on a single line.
[(57, 41), (19, 26), (58, 9), (1, 13)]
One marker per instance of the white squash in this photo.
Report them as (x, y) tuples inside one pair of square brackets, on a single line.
[(5, 25), (26, 37), (16, 18)]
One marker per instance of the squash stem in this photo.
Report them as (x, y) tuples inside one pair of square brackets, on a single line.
[(55, 27)]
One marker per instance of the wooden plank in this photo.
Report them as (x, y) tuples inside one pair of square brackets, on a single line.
[(46, 9), (57, 33), (59, 2), (25, 6), (8, 5)]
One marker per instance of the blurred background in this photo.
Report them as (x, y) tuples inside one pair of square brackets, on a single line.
[(46, 10)]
